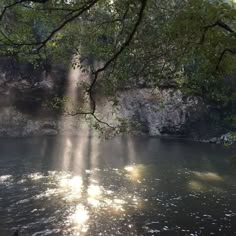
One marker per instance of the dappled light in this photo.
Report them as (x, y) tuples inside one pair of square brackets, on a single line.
[(205, 182), (36, 176), (84, 200), (135, 172), (197, 186), (103, 192), (94, 190), (5, 178), (73, 186), (80, 216), (207, 176)]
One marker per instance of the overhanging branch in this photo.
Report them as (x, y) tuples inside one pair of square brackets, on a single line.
[(218, 23), (71, 16), (40, 44), (97, 72), (223, 53), (17, 3)]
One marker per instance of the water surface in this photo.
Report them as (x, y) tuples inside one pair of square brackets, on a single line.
[(124, 186)]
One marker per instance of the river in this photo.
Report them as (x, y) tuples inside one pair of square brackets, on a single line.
[(122, 186)]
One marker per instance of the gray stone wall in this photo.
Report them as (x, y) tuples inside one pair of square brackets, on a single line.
[(24, 90)]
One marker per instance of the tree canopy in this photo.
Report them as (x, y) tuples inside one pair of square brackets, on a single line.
[(157, 43)]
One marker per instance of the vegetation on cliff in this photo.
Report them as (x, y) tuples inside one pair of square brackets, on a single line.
[(183, 44)]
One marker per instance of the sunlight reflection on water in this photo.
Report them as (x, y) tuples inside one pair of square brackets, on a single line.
[(84, 200), (115, 201)]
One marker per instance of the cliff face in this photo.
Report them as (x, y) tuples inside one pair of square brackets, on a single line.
[(161, 112), (24, 90), (164, 112)]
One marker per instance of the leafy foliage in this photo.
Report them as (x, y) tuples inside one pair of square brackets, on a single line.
[(186, 44)]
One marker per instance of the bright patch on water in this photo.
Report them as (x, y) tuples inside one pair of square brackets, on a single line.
[(193, 196)]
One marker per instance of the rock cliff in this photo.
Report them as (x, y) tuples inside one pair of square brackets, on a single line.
[(24, 90)]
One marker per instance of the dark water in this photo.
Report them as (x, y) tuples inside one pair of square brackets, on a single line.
[(125, 186)]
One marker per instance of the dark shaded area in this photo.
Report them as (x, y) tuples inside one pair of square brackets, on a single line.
[(16, 233), (28, 88)]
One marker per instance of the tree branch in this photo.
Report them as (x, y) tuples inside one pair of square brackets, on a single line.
[(227, 50), (79, 12), (218, 23), (74, 14), (128, 40), (97, 72), (41, 44), (122, 48), (9, 6), (19, 2)]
